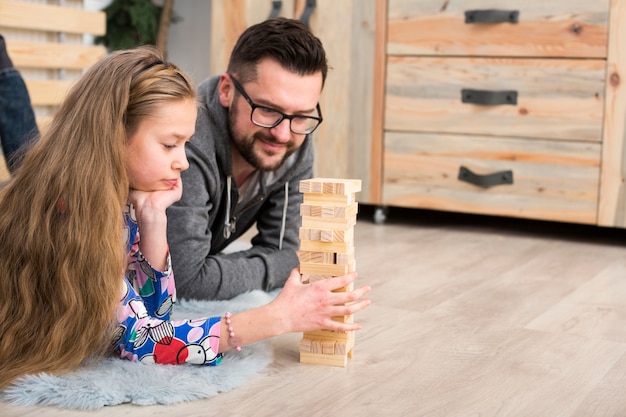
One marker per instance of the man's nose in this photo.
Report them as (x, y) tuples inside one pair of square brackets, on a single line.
[(282, 131)]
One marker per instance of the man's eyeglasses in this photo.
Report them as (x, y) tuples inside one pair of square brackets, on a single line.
[(268, 117)]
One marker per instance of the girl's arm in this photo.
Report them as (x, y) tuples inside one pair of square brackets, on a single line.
[(150, 209), (297, 308)]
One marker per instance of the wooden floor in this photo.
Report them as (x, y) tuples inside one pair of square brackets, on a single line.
[(471, 316)]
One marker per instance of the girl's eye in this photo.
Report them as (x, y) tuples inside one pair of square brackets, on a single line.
[(169, 146)]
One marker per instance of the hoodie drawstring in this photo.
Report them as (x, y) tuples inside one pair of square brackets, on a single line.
[(227, 225), (284, 221)]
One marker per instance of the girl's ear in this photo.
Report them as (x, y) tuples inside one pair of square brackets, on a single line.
[(226, 90)]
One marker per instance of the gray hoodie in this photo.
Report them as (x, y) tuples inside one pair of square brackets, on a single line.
[(208, 218)]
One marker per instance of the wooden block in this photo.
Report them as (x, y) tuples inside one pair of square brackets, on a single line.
[(314, 185), (334, 224), (326, 235), (321, 268), (317, 257), (305, 345), (341, 212), (344, 319), (303, 256), (328, 347), (345, 347), (329, 335), (342, 235), (328, 258), (306, 186), (329, 199), (310, 278), (324, 269), (310, 210), (345, 259), (335, 247), (322, 235), (316, 346), (308, 344), (329, 211), (340, 349), (330, 186), (321, 359), (309, 186)]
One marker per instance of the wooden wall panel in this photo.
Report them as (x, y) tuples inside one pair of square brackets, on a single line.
[(343, 141), (229, 18)]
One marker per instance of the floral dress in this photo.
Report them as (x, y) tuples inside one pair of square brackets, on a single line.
[(145, 332)]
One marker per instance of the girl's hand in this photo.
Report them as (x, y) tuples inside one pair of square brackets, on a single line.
[(151, 205), (150, 211), (298, 308), (308, 307)]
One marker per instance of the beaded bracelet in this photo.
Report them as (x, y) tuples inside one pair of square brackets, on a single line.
[(233, 342)]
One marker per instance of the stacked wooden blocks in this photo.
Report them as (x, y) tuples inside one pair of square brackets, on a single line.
[(328, 215)]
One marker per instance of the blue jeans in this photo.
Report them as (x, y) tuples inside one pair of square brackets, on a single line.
[(17, 119)]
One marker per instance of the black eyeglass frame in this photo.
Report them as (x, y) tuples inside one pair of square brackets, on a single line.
[(283, 116)]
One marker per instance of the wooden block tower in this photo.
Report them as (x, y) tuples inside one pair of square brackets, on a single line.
[(328, 215)]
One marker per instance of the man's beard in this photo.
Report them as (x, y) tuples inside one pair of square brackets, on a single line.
[(245, 146)]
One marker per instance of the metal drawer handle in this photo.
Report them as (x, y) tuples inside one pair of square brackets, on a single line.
[(491, 16), (308, 10), (489, 98), (276, 6), (487, 180)]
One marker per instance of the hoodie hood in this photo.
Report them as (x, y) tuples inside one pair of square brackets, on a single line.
[(214, 124)]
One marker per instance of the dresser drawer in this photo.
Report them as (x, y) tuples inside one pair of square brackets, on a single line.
[(548, 28), (555, 98), (550, 180)]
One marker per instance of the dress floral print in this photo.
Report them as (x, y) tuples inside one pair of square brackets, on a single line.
[(145, 331)]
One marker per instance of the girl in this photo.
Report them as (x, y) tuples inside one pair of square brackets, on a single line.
[(71, 289)]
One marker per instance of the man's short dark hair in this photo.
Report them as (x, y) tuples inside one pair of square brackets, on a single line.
[(287, 41)]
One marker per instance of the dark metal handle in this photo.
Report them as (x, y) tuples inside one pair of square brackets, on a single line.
[(491, 16), (488, 98), (308, 10), (276, 6), (485, 181)]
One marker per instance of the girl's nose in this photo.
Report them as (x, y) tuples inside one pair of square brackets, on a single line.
[(180, 162)]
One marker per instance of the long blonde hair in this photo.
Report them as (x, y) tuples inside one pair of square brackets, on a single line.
[(61, 251)]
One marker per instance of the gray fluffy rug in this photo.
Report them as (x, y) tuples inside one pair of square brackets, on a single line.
[(113, 381)]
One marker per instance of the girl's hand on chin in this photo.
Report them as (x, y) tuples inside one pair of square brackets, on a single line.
[(147, 202)]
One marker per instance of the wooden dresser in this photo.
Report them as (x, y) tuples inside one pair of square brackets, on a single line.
[(501, 107)]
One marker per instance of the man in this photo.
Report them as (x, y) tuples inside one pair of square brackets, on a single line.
[(251, 148), (17, 119)]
